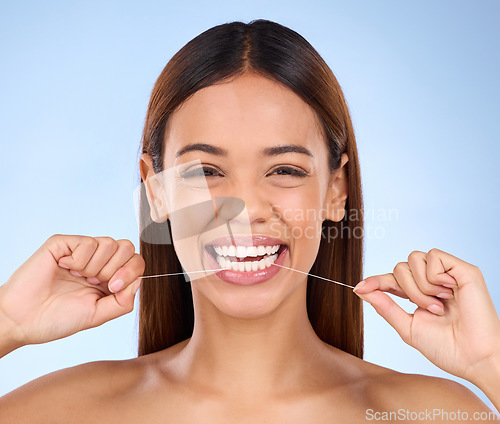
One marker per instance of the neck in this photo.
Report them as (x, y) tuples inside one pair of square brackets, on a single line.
[(268, 355)]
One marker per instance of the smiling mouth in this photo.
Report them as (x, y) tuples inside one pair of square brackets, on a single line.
[(245, 258)]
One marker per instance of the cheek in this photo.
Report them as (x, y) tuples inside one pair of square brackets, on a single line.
[(300, 213)]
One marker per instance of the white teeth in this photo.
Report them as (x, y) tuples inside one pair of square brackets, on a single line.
[(224, 252), (262, 264), (244, 251), (252, 251), (247, 266), (241, 251), (261, 250), (226, 264)]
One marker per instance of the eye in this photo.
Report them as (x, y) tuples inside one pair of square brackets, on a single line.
[(200, 171), (291, 171)]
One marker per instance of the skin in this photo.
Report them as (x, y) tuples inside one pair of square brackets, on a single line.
[(254, 356)]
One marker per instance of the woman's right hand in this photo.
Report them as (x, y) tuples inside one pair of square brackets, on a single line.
[(69, 284)]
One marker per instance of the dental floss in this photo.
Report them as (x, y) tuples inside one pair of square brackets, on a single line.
[(222, 269), (317, 276), (180, 273)]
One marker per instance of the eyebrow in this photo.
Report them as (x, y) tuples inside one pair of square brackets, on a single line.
[(268, 151), (286, 148)]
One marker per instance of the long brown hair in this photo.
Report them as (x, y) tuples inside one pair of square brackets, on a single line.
[(266, 48)]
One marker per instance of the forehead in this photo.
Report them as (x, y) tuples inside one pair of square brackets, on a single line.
[(250, 112)]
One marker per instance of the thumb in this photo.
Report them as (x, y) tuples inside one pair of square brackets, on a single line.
[(396, 316), (116, 304)]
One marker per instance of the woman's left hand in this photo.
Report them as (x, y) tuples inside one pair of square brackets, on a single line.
[(461, 333)]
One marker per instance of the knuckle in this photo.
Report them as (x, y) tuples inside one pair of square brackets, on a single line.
[(54, 237), (108, 243), (416, 254), (90, 242), (475, 269), (127, 246), (400, 267), (434, 251), (54, 240)]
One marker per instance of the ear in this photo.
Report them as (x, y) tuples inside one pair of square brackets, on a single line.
[(338, 190), (154, 189)]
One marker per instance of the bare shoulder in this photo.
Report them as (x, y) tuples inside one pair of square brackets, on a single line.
[(422, 390), (381, 391), (73, 392), (416, 397)]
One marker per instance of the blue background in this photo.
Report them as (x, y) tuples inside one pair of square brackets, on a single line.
[(420, 78)]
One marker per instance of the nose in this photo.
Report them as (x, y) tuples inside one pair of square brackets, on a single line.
[(246, 203)]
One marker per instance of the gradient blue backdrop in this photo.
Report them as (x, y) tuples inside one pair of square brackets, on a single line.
[(420, 78)]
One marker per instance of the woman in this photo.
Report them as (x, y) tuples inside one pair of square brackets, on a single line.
[(250, 112)]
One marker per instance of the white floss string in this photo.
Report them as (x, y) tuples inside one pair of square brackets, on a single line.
[(223, 269), (317, 276), (180, 273)]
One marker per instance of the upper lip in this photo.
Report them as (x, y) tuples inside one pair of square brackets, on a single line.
[(242, 240)]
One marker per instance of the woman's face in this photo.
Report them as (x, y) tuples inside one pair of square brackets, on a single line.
[(287, 194)]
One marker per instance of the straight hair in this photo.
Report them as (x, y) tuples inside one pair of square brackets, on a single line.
[(266, 48)]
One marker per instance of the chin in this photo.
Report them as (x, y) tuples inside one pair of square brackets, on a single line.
[(247, 308), (250, 302)]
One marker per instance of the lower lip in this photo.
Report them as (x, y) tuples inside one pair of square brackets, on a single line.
[(250, 277)]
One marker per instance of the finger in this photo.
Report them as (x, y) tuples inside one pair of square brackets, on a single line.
[(78, 251), (124, 252), (418, 267), (127, 274), (105, 250), (384, 282), (115, 305), (446, 269), (403, 275), (61, 245), (396, 316)]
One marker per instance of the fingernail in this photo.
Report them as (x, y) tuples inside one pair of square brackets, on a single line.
[(63, 265), (75, 273), (445, 295), (359, 285), (116, 286), (435, 309), (450, 286), (93, 280)]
